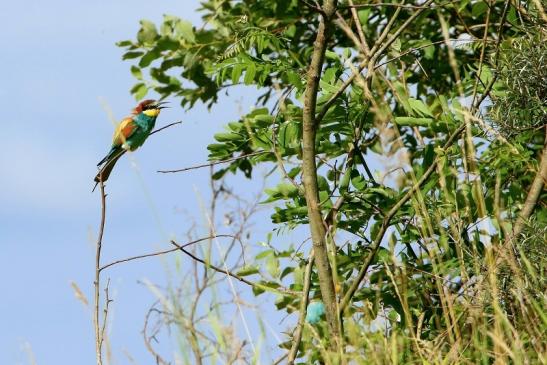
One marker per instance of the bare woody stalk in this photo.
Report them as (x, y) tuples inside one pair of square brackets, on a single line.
[(309, 170), (297, 337), (97, 284)]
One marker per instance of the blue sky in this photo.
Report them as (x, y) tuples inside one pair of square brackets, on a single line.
[(59, 60)]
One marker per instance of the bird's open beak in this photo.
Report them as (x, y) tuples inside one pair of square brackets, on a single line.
[(160, 104)]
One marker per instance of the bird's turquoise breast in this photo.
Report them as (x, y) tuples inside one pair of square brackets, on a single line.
[(145, 125)]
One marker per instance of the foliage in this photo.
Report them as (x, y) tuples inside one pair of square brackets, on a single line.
[(431, 292), (520, 103)]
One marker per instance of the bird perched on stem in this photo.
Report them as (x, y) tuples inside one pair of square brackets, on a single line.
[(129, 135)]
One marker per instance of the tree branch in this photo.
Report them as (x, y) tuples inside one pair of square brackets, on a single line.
[(235, 276), (392, 5), (375, 52), (165, 127), (309, 170), (297, 337), (162, 252), (209, 164)]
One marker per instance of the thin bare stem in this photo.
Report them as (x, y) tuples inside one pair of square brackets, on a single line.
[(158, 253), (297, 337), (393, 5), (105, 310), (209, 164), (96, 283), (235, 276), (159, 360), (165, 127)]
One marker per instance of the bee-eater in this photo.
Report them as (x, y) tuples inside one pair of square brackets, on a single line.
[(129, 135)]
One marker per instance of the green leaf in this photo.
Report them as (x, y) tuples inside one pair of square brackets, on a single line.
[(286, 271), (479, 8), (227, 137), (136, 72), (124, 43), (148, 33), (236, 73), (383, 255), (250, 73), (344, 182), (288, 135), (185, 29), (148, 58), (419, 107), (330, 55), (131, 55), (358, 181), (363, 16), (263, 120), (272, 266), (413, 122), (295, 79), (248, 270), (139, 91), (264, 254)]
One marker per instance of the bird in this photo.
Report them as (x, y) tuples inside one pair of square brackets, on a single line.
[(129, 135), (316, 310)]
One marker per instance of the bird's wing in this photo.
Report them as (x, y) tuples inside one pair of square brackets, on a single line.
[(123, 131)]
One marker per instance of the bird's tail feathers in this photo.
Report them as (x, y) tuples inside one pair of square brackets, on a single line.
[(113, 151), (109, 161)]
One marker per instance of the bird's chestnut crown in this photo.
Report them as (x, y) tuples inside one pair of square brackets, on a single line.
[(149, 107)]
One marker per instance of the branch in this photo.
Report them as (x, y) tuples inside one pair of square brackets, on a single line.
[(162, 252), (375, 52), (235, 276), (165, 127), (309, 171), (414, 49), (359, 27), (105, 311), (315, 8), (96, 283), (402, 6), (387, 219), (213, 163), (149, 347), (297, 338)]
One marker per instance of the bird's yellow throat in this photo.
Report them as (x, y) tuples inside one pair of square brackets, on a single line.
[(152, 112)]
